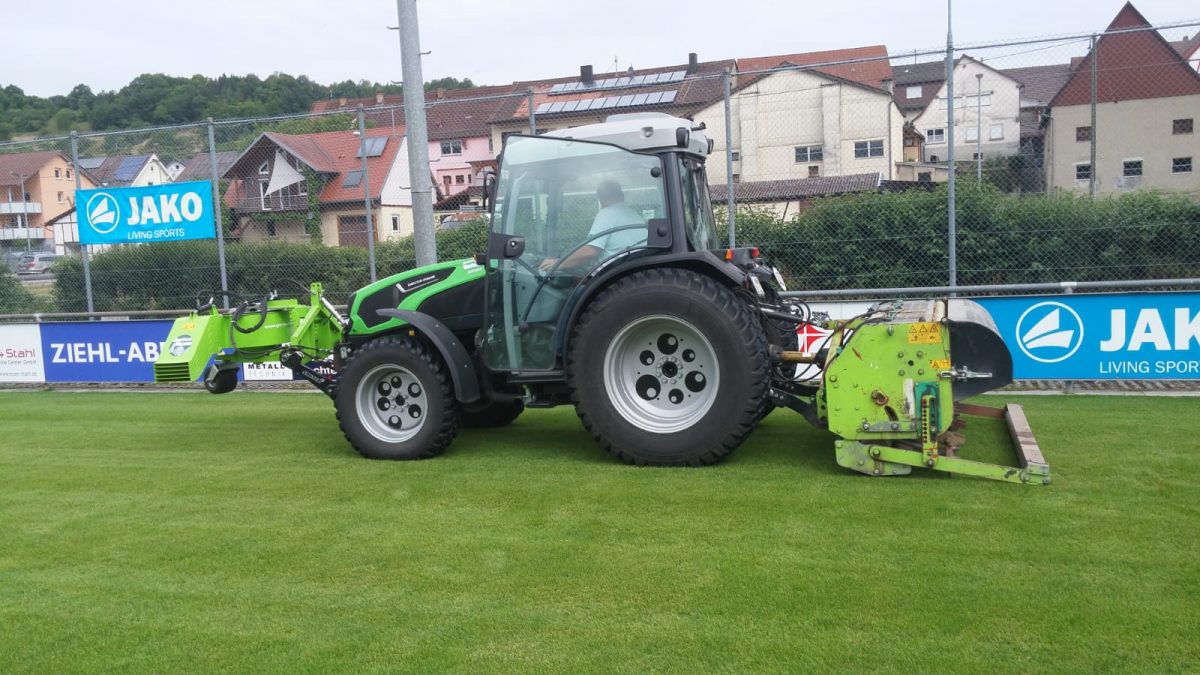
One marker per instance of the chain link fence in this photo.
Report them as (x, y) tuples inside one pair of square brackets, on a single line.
[(1060, 159)]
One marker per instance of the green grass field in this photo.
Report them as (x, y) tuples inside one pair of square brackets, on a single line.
[(167, 532)]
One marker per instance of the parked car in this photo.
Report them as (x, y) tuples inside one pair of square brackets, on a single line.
[(36, 263)]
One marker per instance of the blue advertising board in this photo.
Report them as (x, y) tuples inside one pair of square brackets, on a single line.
[(124, 215), (102, 351), (1120, 336)]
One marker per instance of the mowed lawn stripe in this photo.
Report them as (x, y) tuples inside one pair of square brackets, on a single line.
[(176, 531)]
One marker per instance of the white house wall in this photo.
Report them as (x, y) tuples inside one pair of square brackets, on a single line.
[(786, 110), (397, 187), (1003, 107)]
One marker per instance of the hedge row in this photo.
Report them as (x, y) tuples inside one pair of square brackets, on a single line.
[(860, 241)]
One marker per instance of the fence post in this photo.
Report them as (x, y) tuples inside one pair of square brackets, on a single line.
[(366, 181), (951, 210), (83, 249), (532, 119), (218, 205), (730, 203), (1092, 156)]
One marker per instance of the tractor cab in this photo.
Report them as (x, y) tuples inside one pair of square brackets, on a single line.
[(570, 204)]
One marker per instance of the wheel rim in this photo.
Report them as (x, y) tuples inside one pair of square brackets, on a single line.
[(661, 374), (392, 403)]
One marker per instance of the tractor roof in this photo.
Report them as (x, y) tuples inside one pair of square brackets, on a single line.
[(641, 132)]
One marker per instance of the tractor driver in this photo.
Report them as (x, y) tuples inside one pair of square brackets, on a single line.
[(613, 215)]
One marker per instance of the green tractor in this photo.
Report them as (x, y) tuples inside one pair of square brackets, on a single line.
[(605, 285)]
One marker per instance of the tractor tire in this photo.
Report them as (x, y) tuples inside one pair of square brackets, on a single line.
[(492, 415), (667, 367), (394, 400)]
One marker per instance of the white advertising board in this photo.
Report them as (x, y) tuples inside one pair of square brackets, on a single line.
[(21, 357)]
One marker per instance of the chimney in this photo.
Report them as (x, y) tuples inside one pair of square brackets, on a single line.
[(889, 84), (585, 74), (441, 93), (693, 64), (342, 102), (378, 97)]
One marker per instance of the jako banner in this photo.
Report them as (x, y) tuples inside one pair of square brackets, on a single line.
[(170, 212), (1123, 336)]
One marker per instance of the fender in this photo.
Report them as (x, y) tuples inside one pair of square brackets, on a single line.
[(704, 262), (462, 370)]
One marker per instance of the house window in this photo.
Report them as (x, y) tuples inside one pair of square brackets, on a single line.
[(452, 147), (814, 171), (996, 133), (1181, 165), (737, 178), (933, 158), (60, 197), (912, 92), (1083, 171), (446, 181), (735, 156), (69, 174), (264, 169), (925, 177), (1132, 167), (868, 148), (270, 229), (353, 179), (395, 223), (1083, 134), (1183, 126), (460, 179), (809, 153), (58, 173), (972, 134), (935, 135), (491, 144)]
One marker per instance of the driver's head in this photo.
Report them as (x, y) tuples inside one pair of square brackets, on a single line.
[(609, 193)]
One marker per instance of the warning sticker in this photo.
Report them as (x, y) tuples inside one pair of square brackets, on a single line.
[(924, 333), (939, 364)]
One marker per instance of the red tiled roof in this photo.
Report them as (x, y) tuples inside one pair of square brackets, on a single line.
[(449, 113), (1130, 66), (331, 153), (871, 73), (24, 164), (1040, 83), (1187, 48), (799, 188)]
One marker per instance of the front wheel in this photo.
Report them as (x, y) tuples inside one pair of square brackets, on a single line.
[(394, 400), (668, 367)]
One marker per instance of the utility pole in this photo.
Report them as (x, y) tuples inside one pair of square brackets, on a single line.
[(950, 206), (979, 128), (417, 132)]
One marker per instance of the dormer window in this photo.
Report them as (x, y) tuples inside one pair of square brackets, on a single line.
[(264, 168)]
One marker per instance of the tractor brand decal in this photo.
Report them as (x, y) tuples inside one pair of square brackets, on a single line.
[(21, 354), (1137, 336), (180, 345), (924, 333), (170, 212), (407, 286), (102, 351)]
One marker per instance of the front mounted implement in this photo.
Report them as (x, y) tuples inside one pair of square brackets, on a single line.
[(894, 383), (214, 343)]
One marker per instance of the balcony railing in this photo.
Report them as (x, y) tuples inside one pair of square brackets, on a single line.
[(8, 208), (22, 233), (247, 198)]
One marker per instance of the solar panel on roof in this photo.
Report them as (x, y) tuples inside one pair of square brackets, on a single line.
[(610, 101), (91, 162), (654, 97), (570, 106), (541, 108), (624, 100), (639, 99), (636, 80), (669, 96), (129, 168), (676, 76)]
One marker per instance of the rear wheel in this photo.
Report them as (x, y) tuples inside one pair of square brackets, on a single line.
[(394, 400), (668, 367)]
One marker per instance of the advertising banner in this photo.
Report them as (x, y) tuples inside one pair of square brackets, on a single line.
[(21, 354), (102, 351), (1120, 336), (169, 212)]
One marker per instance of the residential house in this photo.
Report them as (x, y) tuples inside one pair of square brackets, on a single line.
[(1147, 101), (987, 114), (289, 186), (126, 170), (1039, 85), (916, 84), (1189, 50), (460, 141), (797, 121), (591, 97), (35, 187), (175, 167)]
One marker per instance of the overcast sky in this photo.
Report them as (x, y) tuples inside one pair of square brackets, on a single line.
[(53, 45)]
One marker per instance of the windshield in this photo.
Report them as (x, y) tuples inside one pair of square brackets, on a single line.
[(574, 205)]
